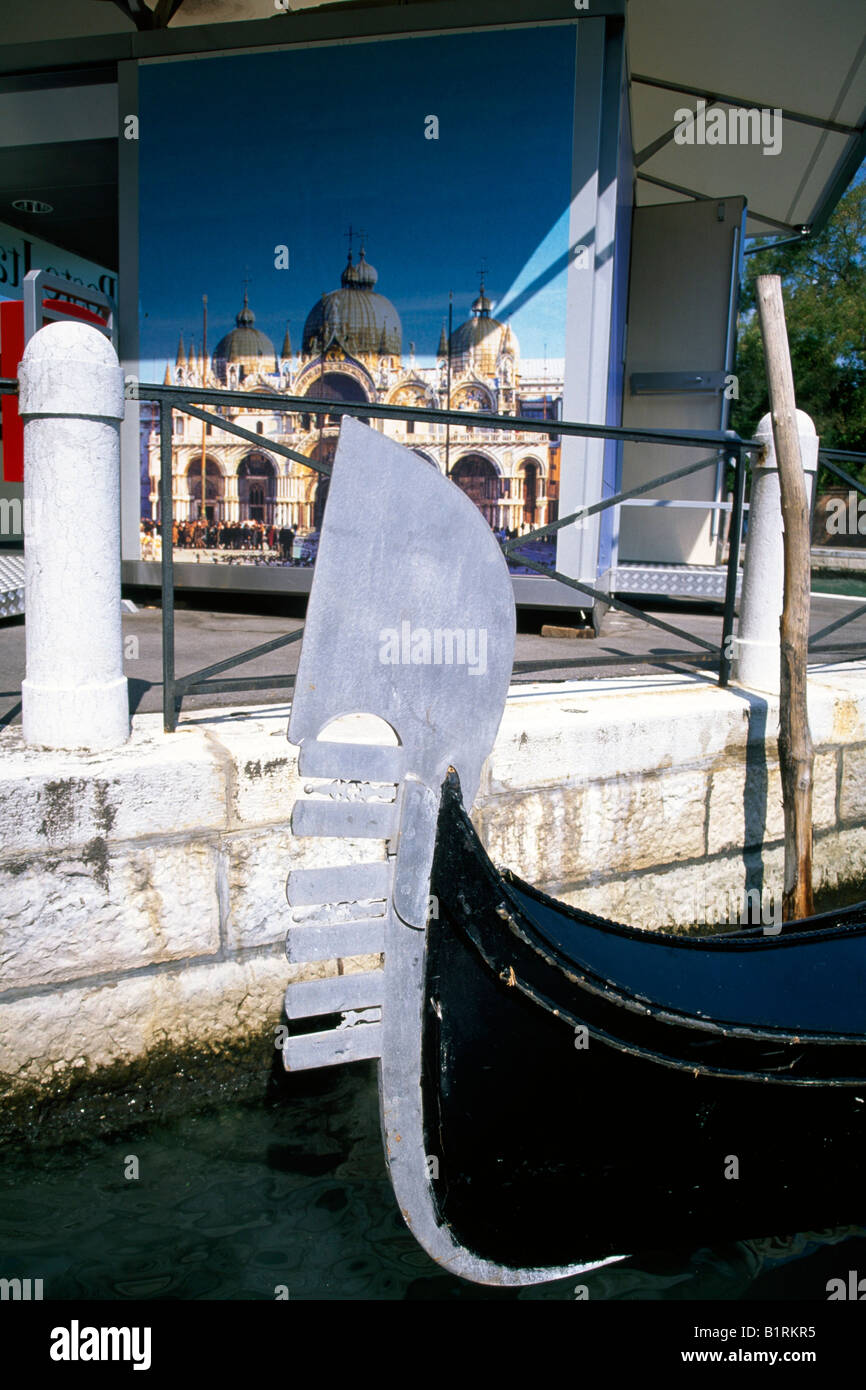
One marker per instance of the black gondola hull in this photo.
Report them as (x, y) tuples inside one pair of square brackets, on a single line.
[(571, 1118)]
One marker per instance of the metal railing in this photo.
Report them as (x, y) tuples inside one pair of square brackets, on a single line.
[(190, 400), (727, 446), (825, 459)]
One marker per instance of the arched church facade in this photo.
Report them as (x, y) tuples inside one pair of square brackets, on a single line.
[(351, 350)]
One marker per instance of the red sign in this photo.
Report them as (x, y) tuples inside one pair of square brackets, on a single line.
[(11, 352)]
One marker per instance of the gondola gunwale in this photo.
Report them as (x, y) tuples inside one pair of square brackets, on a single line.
[(614, 997), (748, 937)]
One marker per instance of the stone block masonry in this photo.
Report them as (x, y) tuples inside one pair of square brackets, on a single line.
[(658, 802), (142, 889)]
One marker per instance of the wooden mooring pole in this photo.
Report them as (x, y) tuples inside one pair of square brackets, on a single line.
[(796, 754)]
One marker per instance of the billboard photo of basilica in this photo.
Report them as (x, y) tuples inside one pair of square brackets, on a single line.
[(373, 333)]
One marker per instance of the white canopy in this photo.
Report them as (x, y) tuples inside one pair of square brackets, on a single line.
[(805, 59), (802, 58)]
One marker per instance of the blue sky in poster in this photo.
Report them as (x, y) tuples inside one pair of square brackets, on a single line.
[(241, 154)]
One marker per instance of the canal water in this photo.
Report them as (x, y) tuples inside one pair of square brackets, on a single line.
[(288, 1196)]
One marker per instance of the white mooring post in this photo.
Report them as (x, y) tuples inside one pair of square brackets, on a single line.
[(71, 400), (757, 657)]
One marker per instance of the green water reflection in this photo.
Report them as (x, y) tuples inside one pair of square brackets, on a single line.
[(234, 1202)]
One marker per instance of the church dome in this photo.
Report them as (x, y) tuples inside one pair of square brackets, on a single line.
[(245, 346), (482, 304), (354, 317), (480, 340)]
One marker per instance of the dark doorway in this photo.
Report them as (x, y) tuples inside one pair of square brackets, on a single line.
[(257, 488), (529, 469), (214, 490), (480, 481)]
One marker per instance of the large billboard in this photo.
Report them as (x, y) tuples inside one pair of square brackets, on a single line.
[(378, 222)]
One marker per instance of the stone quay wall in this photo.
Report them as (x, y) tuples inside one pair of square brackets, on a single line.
[(143, 889)]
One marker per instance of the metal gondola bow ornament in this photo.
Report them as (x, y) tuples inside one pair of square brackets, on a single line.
[(557, 1090), (411, 619)]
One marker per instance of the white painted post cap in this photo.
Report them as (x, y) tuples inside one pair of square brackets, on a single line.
[(70, 369), (808, 441)]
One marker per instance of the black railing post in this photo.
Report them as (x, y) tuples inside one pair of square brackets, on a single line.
[(166, 526), (734, 535)]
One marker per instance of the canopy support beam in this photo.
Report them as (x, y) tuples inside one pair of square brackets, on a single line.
[(716, 98), (710, 197)]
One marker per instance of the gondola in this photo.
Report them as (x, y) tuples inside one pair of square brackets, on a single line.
[(558, 1091)]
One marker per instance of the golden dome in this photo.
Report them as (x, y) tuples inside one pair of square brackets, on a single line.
[(245, 346), (480, 340), (354, 317)]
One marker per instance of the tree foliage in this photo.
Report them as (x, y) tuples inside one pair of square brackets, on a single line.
[(824, 289)]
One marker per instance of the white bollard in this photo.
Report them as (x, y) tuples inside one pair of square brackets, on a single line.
[(756, 653), (71, 400)]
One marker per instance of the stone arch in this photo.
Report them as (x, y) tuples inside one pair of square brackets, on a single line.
[(340, 381), (323, 451), (257, 487), (480, 478), (530, 474), (474, 395), (407, 391), (412, 392), (482, 464), (214, 488)]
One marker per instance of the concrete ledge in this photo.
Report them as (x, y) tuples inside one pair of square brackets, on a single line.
[(151, 786), (144, 889), (107, 909)]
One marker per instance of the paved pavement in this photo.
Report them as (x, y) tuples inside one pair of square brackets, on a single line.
[(627, 647)]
